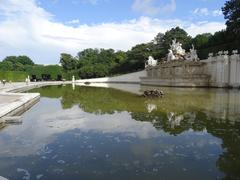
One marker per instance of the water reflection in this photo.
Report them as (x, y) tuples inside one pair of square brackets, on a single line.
[(96, 133), (215, 111)]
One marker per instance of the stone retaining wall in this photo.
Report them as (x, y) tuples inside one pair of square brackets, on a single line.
[(222, 70), (132, 78)]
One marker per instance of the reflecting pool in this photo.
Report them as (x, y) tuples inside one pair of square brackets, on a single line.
[(104, 133)]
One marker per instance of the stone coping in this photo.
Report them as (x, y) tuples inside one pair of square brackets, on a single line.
[(177, 63), (21, 100), (13, 102)]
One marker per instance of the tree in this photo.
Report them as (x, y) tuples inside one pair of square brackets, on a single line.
[(137, 56), (180, 35), (18, 66), (68, 62), (12, 59), (201, 40), (25, 60), (17, 63), (120, 60), (6, 66), (231, 12), (159, 38)]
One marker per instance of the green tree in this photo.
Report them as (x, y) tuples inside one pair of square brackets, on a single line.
[(18, 66), (68, 62), (17, 63), (25, 60), (120, 61), (157, 46), (201, 40), (159, 39), (137, 56), (6, 66), (231, 12), (12, 59), (180, 35)]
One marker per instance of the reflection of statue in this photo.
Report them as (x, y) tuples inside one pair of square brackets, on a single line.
[(151, 62), (151, 107), (174, 120)]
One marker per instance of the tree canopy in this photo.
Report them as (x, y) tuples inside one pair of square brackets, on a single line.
[(231, 12), (15, 63), (176, 33)]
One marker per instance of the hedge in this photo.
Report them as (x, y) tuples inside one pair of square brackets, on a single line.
[(14, 76)]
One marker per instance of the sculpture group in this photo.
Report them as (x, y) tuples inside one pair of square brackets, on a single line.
[(176, 52)]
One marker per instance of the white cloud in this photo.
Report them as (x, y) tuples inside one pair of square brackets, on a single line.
[(217, 12), (74, 21), (206, 12), (93, 2), (201, 11), (150, 7), (26, 28), (204, 27)]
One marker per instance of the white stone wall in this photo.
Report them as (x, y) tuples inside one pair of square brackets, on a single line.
[(223, 69), (235, 70), (126, 78)]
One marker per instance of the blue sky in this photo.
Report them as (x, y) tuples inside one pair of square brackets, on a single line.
[(98, 11), (42, 29)]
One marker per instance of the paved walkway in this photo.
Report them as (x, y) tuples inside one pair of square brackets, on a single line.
[(22, 86), (12, 102)]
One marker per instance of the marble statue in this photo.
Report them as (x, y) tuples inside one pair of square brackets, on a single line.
[(177, 48), (151, 62), (73, 79), (27, 80), (226, 57), (170, 55), (176, 51), (193, 54)]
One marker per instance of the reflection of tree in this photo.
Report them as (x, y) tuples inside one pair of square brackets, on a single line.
[(187, 111), (229, 160), (95, 100)]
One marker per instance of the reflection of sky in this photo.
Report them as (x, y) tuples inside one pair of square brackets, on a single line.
[(42, 125)]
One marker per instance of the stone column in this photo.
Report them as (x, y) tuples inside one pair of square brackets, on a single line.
[(226, 69), (237, 76), (212, 69), (219, 66), (233, 69)]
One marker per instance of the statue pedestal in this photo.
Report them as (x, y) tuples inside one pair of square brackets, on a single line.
[(177, 73)]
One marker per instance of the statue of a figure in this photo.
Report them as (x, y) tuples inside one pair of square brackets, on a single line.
[(180, 50), (173, 46), (193, 54), (73, 79), (151, 62), (170, 56), (176, 51)]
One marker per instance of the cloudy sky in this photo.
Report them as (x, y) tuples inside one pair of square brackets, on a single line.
[(42, 29)]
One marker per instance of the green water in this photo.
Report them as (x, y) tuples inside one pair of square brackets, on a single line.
[(104, 133)]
